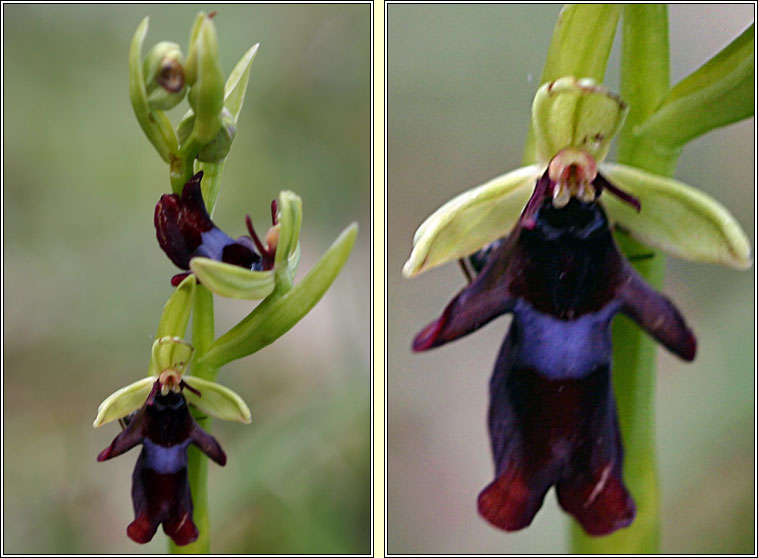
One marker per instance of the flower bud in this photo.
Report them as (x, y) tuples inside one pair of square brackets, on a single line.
[(164, 76), (219, 146)]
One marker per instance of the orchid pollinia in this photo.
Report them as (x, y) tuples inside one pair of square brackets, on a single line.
[(155, 411), (539, 239)]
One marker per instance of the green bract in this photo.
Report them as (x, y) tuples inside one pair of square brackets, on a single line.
[(579, 114), (283, 308)]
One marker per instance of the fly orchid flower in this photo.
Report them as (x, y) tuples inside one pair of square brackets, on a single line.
[(575, 121), (156, 414), (552, 416), (241, 268)]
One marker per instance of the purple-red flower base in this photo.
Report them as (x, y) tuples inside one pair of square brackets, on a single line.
[(160, 487), (552, 417), (185, 231)]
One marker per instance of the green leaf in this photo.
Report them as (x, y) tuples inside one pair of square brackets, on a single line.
[(578, 113), (233, 281), (718, 93), (171, 353), (580, 47), (676, 218), (122, 402), (155, 124), (471, 220), (236, 83), (216, 400), (275, 315)]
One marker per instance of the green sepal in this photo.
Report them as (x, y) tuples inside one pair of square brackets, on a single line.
[(236, 84), (276, 314), (579, 113), (581, 43), (233, 281), (676, 218), (216, 400), (154, 123), (718, 93), (290, 216), (471, 220), (123, 401), (171, 353)]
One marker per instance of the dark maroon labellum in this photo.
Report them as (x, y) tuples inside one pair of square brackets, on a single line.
[(160, 488), (185, 231), (552, 416)]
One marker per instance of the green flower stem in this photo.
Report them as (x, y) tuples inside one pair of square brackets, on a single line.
[(644, 83), (197, 462)]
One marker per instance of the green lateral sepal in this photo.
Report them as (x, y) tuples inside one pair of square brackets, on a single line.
[(676, 218), (471, 220), (124, 401), (216, 400)]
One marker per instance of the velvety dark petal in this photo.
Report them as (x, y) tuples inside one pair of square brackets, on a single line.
[(601, 183), (486, 298), (208, 444), (479, 260), (657, 315), (548, 431), (185, 231), (161, 498), (567, 264), (598, 500), (181, 221), (241, 255), (127, 438)]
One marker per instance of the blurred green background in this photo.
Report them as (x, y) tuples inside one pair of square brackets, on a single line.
[(461, 80), (85, 280)]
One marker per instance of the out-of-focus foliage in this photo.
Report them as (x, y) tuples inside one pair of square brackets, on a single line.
[(460, 83), (85, 280)]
